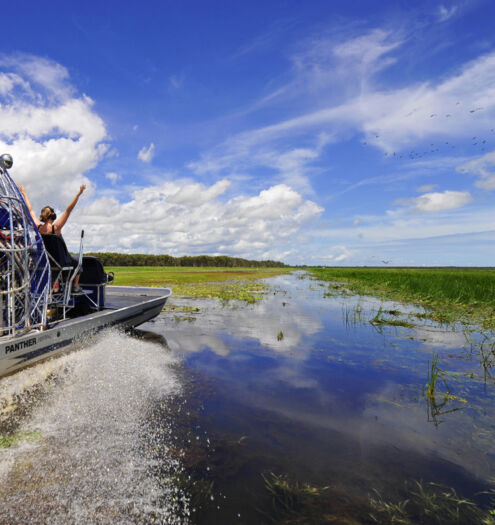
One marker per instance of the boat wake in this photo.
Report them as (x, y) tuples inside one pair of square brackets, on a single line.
[(92, 441)]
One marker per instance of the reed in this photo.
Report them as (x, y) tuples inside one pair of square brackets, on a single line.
[(449, 293)]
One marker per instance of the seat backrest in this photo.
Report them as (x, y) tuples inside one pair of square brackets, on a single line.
[(56, 247), (92, 271)]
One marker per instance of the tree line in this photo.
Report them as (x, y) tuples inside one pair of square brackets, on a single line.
[(141, 259)]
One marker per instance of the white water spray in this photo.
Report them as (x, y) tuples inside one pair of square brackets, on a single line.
[(100, 450)]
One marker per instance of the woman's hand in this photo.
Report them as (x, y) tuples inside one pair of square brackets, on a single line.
[(81, 189)]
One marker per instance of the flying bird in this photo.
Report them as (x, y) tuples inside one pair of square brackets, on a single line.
[(433, 115)]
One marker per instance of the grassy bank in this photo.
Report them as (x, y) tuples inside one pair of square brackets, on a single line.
[(449, 294), (223, 283)]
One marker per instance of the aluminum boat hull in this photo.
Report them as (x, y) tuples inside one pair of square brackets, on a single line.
[(125, 307)]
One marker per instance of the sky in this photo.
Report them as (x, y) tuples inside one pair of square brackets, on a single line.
[(318, 133)]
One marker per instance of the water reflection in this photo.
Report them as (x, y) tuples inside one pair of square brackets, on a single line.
[(333, 399), (440, 337)]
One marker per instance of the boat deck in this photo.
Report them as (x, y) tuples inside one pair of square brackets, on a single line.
[(120, 297)]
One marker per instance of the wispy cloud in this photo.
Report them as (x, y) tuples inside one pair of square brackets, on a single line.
[(146, 153), (484, 167), (339, 253), (427, 188), (444, 13), (113, 177), (388, 119), (176, 81)]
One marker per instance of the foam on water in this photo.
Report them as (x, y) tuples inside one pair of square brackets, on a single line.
[(103, 454)]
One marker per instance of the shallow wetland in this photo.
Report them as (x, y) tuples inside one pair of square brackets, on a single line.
[(309, 405)]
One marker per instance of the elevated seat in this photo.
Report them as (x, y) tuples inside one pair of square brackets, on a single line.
[(57, 251), (93, 278), (63, 268)]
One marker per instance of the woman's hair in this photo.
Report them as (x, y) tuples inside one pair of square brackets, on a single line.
[(47, 213)]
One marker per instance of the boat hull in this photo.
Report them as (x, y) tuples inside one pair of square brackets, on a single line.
[(127, 307)]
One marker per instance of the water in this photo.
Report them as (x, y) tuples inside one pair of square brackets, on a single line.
[(292, 410), (302, 385), (100, 452)]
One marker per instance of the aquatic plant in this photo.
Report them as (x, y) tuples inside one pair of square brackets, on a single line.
[(484, 349), (428, 504), (433, 374), (293, 502), (352, 316), (434, 406), (379, 319)]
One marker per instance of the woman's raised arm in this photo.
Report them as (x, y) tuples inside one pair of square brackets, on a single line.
[(28, 204), (59, 223)]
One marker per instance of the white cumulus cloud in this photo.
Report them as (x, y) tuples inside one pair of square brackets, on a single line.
[(178, 218), (53, 134), (436, 201)]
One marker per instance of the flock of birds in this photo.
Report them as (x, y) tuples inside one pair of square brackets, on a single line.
[(479, 142)]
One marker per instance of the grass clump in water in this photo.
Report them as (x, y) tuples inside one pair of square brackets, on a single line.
[(292, 502), (429, 504), (436, 401), (380, 320)]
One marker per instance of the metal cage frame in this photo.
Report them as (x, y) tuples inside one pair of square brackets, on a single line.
[(24, 267)]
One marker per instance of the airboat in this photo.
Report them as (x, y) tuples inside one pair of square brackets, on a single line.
[(40, 315)]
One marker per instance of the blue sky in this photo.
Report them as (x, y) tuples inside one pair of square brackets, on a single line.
[(314, 133)]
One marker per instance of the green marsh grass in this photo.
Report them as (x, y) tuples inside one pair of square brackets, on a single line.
[(222, 283), (449, 294)]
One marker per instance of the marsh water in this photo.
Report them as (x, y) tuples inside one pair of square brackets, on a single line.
[(296, 409)]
